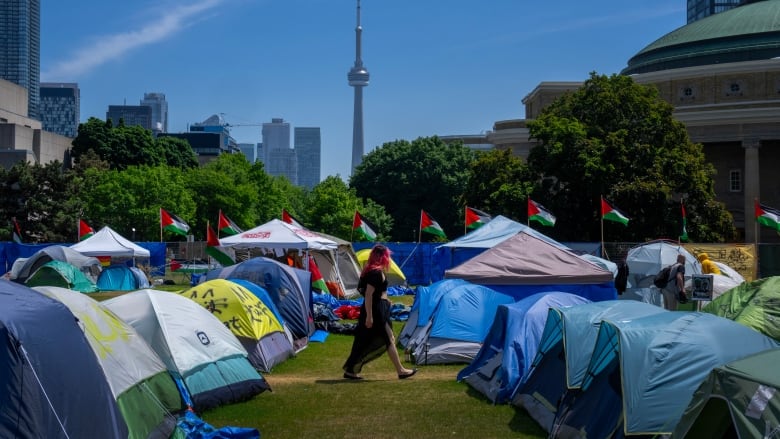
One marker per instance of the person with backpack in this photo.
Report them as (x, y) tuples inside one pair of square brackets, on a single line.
[(674, 290)]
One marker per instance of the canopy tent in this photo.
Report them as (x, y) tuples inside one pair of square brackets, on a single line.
[(144, 390), (564, 353), (752, 304), (86, 264), (277, 234), (738, 399), (52, 383), (205, 358), (504, 360), (107, 242), (395, 276), (525, 264), (61, 274), (643, 372)]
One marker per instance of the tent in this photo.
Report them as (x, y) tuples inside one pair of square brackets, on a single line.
[(738, 399), (205, 358), (395, 276), (277, 234), (340, 265), (455, 325), (504, 360), (564, 353), (643, 372), (120, 277), (753, 304), (107, 242), (88, 265), (525, 264), (61, 274), (289, 288), (45, 362), (646, 260), (145, 392), (426, 299), (248, 318)]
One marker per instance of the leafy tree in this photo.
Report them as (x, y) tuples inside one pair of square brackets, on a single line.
[(331, 208), (178, 153), (276, 193), (406, 177), (498, 184), (618, 139)]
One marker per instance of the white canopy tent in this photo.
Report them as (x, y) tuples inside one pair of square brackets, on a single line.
[(277, 234), (107, 242)]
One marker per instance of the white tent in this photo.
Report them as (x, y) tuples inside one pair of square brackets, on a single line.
[(277, 234), (107, 242)]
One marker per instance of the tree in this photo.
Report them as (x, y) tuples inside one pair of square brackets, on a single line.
[(618, 139), (498, 183), (405, 178), (177, 152)]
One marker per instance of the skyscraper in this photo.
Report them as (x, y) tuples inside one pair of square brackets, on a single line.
[(131, 115), (698, 9), (278, 157), (60, 108), (20, 48), (358, 78), (307, 150), (159, 111)]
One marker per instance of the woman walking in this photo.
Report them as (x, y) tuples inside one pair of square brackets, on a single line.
[(374, 331)]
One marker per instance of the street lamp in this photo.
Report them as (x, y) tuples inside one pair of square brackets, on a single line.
[(133, 234)]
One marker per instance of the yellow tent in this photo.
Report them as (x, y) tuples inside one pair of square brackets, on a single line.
[(394, 274), (251, 320)]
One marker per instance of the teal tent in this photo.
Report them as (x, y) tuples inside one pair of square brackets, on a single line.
[(61, 274)]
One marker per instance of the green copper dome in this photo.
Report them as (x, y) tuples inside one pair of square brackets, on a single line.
[(746, 33)]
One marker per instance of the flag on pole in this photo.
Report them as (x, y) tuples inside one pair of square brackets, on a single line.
[(612, 214), (684, 234), (17, 232), (173, 223), (224, 255), (289, 219), (476, 218), (767, 216), (317, 282), (85, 231), (537, 212), (363, 227), (429, 225), (226, 226)]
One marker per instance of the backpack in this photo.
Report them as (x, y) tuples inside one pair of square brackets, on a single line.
[(662, 278)]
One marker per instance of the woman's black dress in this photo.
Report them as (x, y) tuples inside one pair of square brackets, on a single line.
[(370, 343)]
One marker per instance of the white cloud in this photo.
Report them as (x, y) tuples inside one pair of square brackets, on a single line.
[(115, 46)]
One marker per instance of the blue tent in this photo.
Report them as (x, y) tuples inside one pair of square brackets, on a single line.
[(457, 326), (51, 384), (643, 372), (564, 353), (426, 298), (120, 277), (289, 288), (504, 360)]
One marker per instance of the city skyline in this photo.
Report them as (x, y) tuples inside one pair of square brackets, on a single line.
[(438, 68)]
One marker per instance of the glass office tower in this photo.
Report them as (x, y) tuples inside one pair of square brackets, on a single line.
[(20, 48)]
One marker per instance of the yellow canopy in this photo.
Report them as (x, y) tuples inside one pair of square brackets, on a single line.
[(394, 274)]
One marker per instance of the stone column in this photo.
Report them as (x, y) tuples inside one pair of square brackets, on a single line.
[(752, 185)]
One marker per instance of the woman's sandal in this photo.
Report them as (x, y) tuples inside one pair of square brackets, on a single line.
[(403, 376)]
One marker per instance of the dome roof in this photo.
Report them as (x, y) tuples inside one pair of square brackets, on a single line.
[(746, 33)]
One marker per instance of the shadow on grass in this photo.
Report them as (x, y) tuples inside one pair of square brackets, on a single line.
[(521, 422)]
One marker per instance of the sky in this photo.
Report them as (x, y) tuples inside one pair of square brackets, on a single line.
[(437, 67)]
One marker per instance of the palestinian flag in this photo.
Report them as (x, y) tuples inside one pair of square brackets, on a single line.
[(537, 212), (476, 218), (317, 282), (429, 225), (684, 234), (224, 255), (289, 219), (363, 227), (767, 216), (173, 223), (612, 214), (226, 226), (85, 231), (17, 232)]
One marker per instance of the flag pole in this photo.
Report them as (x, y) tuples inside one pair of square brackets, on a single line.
[(419, 234), (603, 252), (218, 218), (528, 217), (352, 229), (161, 225), (465, 217)]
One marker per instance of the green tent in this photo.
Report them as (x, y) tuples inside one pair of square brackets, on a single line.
[(754, 304), (738, 399), (61, 274)]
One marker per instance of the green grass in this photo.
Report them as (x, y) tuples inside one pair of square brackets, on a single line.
[(310, 399)]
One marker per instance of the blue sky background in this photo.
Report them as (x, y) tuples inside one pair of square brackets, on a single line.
[(437, 67)]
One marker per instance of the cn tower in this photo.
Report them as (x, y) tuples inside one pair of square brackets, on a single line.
[(358, 78)]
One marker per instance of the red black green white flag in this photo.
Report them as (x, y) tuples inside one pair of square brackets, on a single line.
[(17, 232), (610, 213), (684, 234), (475, 219), (226, 226), (537, 212), (85, 231), (767, 216), (173, 223), (289, 219), (363, 227), (224, 255), (429, 225), (317, 282)]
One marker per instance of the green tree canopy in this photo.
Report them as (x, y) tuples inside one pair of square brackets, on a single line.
[(618, 139), (405, 178), (498, 183)]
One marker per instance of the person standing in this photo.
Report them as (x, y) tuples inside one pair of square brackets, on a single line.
[(675, 287), (708, 266), (374, 331)]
